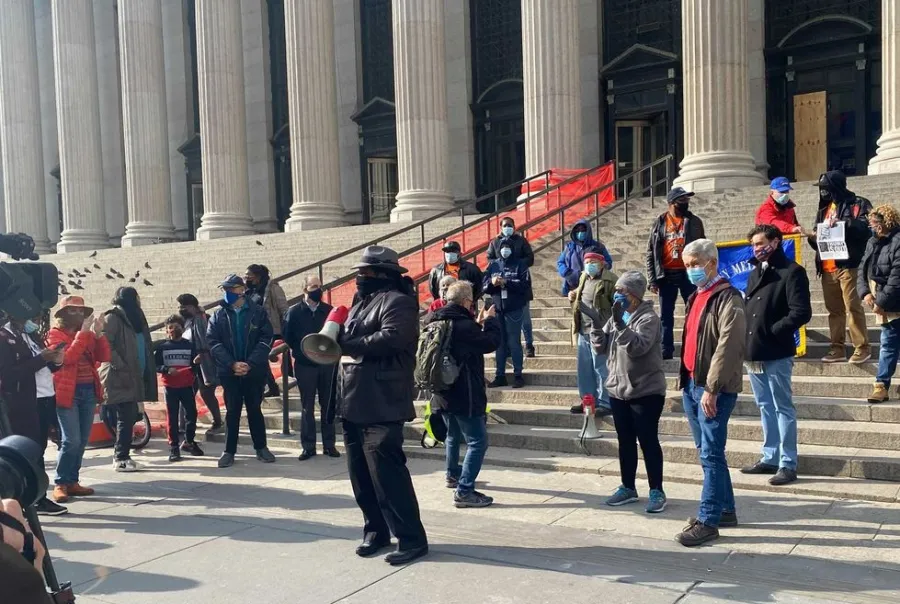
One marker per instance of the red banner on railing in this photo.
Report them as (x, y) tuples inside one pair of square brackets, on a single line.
[(541, 212)]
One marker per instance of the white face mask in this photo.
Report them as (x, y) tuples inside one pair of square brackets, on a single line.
[(782, 199)]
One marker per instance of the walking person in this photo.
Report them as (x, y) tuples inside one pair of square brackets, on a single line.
[(464, 404), (206, 380), (521, 250), (454, 266), (78, 388), (240, 340), (270, 295), (570, 264), (670, 234), (879, 287), (174, 359), (508, 282), (302, 319), (777, 305), (375, 399), (712, 356), (839, 277), (637, 388), (129, 377)]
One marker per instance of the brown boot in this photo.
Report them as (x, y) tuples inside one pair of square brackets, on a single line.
[(61, 493), (76, 490), (879, 394)]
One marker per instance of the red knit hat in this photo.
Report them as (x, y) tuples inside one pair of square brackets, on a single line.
[(594, 256)]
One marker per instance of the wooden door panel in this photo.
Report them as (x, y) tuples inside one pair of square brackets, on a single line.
[(810, 135)]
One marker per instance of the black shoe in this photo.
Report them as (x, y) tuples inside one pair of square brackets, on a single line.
[(264, 455), (216, 428), (371, 545), (669, 356), (529, 351), (451, 483), (192, 449), (405, 556), (331, 452), (227, 460), (272, 393), (518, 382), (576, 409), (472, 500), (783, 476), (46, 507), (759, 468), (726, 520), (696, 533), (175, 454), (306, 454), (498, 382)]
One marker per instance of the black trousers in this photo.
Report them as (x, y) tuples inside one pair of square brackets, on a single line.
[(124, 415), (46, 407), (208, 394), (243, 392), (381, 482), (313, 379), (178, 401), (638, 420)]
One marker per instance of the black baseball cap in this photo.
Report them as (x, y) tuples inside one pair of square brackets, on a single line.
[(452, 246)]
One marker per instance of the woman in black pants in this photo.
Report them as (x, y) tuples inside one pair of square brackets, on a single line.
[(637, 388)]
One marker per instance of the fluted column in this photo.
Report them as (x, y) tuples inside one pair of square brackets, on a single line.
[(420, 95), (145, 123), (552, 82), (223, 126), (43, 26), (716, 75), (887, 159), (20, 124), (312, 106), (78, 120)]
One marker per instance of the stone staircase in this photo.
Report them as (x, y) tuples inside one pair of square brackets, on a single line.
[(846, 445)]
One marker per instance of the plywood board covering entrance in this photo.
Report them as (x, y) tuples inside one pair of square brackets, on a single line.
[(810, 135)]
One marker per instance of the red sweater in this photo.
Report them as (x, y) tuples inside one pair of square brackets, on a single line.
[(81, 348), (692, 328), (779, 216)]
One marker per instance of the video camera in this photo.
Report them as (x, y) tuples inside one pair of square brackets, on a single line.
[(26, 288), (21, 476)]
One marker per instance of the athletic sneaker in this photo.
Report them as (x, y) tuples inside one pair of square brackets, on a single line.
[(126, 466), (45, 507), (174, 454), (451, 483), (622, 496), (472, 500), (657, 502), (192, 448)]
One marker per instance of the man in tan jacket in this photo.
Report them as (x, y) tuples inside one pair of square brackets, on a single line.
[(712, 356)]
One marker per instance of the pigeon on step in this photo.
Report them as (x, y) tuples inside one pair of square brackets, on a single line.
[(63, 290), (132, 280), (96, 266), (108, 276), (78, 287), (93, 255), (260, 243), (147, 283), (147, 265)]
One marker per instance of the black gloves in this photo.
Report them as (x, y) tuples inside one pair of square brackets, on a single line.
[(618, 315)]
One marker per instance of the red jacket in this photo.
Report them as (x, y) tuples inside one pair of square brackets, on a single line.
[(779, 216), (77, 344)]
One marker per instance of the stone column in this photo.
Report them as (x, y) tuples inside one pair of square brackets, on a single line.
[(145, 123), (20, 124), (78, 120), (716, 73), (420, 94), (43, 25), (179, 108), (312, 106), (552, 82), (759, 137), (887, 159), (223, 126)]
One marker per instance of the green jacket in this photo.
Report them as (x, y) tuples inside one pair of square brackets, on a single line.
[(602, 302), (123, 381)]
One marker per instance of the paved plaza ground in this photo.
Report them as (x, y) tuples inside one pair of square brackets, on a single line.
[(285, 533)]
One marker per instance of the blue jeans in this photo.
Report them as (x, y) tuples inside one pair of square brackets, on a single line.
[(710, 435), (592, 372), (887, 355), (527, 330), (75, 424), (474, 431), (669, 288), (772, 391), (511, 345)]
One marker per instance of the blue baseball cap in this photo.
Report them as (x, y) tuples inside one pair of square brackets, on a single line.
[(232, 280), (781, 184)]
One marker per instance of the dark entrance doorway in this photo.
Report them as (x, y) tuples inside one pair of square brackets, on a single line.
[(639, 143), (500, 142)]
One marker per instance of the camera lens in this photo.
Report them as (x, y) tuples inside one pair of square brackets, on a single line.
[(21, 476)]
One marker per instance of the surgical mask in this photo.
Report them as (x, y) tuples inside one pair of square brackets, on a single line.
[(626, 316), (451, 257), (315, 295), (619, 298), (31, 327), (762, 254), (592, 269), (782, 199), (507, 231), (369, 285), (505, 252), (581, 235), (697, 275), (231, 297)]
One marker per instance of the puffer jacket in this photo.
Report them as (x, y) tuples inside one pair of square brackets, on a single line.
[(77, 344), (257, 340), (881, 264), (123, 380), (570, 263), (851, 209), (635, 359)]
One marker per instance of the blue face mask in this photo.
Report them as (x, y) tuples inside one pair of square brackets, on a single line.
[(592, 269), (507, 231), (619, 298), (581, 235), (451, 257), (697, 276), (231, 297), (505, 252), (31, 327)]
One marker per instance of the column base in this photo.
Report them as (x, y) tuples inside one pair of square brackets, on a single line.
[(887, 158), (42, 246), (80, 240), (147, 233), (220, 225), (718, 170), (313, 215), (420, 204)]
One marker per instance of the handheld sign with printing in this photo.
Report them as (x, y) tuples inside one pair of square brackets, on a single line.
[(831, 241)]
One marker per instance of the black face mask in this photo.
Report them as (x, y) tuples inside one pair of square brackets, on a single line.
[(681, 208), (825, 195), (315, 295), (369, 285)]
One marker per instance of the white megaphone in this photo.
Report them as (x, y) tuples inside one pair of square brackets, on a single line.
[(589, 426), (322, 347)]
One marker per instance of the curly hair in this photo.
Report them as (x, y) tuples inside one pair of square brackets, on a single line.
[(889, 215)]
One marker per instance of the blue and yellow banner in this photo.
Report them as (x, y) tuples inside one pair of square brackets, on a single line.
[(734, 265)]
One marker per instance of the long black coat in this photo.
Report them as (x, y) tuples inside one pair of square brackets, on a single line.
[(300, 321), (468, 345), (381, 333), (881, 264), (777, 304), (17, 384)]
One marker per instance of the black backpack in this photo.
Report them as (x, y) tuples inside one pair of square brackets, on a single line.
[(436, 369)]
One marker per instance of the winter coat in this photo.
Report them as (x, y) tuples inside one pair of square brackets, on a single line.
[(196, 326), (518, 284), (257, 340), (274, 301), (301, 321), (379, 343), (635, 359), (521, 250), (123, 380), (777, 304), (467, 272), (602, 302), (77, 344), (854, 211), (693, 230), (18, 365), (570, 263), (781, 216), (881, 264), (468, 345)]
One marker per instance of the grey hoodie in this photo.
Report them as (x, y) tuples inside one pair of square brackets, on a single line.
[(635, 356)]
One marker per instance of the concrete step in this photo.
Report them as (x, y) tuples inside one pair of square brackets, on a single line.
[(814, 349), (819, 322), (813, 334)]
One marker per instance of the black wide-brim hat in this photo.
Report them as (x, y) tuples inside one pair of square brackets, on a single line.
[(380, 258)]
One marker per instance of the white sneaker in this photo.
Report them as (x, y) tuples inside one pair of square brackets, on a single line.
[(126, 466)]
